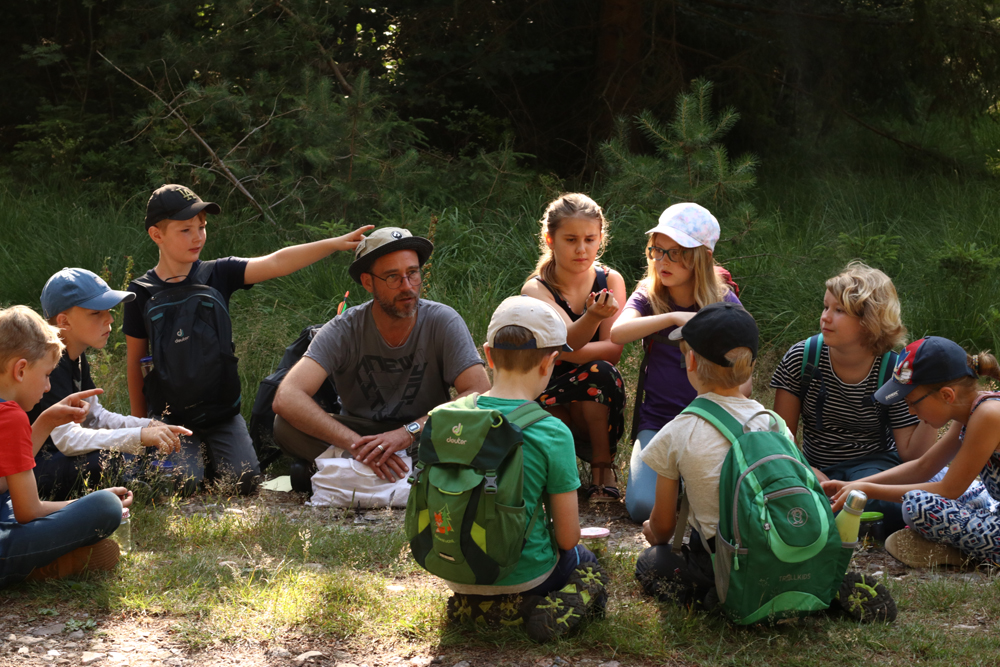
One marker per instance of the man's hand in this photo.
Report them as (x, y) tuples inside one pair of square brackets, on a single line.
[(165, 437), (378, 452)]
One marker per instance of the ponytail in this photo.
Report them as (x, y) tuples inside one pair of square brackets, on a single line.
[(984, 364)]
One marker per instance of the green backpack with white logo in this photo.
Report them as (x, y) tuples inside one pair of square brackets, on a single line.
[(465, 518), (777, 549)]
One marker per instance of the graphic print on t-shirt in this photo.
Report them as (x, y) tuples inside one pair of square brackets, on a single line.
[(390, 384)]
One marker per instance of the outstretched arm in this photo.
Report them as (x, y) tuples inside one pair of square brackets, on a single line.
[(291, 259)]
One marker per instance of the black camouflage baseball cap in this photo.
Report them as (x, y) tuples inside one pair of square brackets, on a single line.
[(176, 202)]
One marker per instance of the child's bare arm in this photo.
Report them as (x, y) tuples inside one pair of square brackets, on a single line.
[(789, 407), (136, 349), (291, 259), (633, 325), (24, 498), (565, 519), (659, 527)]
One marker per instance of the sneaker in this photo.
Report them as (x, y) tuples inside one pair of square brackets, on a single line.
[(561, 612), (101, 556), (911, 548), (497, 611), (301, 472), (558, 613), (864, 599), (590, 580)]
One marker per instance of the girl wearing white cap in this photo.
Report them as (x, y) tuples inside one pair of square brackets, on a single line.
[(681, 279)]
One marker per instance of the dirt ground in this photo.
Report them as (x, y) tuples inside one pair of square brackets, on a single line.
[(152, 641)]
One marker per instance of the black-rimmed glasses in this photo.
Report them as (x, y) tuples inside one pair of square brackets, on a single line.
[(675, 255), (395, 280)]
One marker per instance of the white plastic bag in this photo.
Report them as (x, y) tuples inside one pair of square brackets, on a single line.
[(344, 482)]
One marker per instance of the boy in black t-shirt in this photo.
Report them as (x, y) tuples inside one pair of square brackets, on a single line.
[(176, 221)]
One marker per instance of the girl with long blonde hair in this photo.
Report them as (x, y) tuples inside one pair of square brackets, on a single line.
[(681, 279)]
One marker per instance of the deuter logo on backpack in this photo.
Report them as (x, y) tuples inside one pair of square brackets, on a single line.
[(198, 381), (465, 517)]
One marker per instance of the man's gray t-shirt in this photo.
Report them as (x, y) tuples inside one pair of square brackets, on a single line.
[(402, 383)]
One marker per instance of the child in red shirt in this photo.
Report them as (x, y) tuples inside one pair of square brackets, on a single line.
[(40, 539)]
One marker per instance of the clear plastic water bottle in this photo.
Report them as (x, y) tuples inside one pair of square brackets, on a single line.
[(123, 534)]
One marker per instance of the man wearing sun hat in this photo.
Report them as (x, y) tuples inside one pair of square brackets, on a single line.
[(392, 359)]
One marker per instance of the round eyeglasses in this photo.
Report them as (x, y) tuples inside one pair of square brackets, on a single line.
[(395, 280)]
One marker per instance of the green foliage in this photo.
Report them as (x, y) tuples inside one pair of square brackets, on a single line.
[(689, 164)]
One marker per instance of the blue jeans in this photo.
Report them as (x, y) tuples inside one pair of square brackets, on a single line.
[(23, 547), (568, 560), (641, 489), (855, 469), (229, 451)]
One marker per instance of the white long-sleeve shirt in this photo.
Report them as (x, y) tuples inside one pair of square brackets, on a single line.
[(101, 429)]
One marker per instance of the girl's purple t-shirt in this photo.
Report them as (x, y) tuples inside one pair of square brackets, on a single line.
[(667, 390)]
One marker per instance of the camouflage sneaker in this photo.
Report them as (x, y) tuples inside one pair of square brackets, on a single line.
[(486, 610), (590, 580), (558, 613), (864, 599)]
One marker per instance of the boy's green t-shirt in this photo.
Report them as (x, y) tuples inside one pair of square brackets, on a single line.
[(549, 468)]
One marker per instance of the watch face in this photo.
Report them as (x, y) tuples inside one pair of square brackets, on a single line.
[(413, 427)]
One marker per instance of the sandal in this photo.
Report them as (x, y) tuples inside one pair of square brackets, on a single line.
[(600, 493)]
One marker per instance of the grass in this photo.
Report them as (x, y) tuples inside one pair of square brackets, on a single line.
[(235, 570)]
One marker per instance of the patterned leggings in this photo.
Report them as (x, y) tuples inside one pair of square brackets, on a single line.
[(971, 528)]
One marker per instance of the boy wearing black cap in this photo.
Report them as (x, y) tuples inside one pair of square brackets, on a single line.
[(176, 220), (79, 303), (719, 345)]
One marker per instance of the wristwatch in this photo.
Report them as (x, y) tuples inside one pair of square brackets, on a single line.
[(413, 428)]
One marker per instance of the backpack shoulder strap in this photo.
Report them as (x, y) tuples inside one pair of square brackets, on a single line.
[(201, 276), (601, 277), (526, 414), (717, 416), (889, 360)]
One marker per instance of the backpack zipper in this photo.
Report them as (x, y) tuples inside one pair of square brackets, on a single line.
[(739, 483)]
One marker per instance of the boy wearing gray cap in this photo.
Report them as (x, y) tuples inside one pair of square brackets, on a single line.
[(193, 378), (79, 303)]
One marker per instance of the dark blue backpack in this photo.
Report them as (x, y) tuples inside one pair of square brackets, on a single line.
[(194, 380)]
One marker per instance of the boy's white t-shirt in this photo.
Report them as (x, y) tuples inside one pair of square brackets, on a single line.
[(691, 448)]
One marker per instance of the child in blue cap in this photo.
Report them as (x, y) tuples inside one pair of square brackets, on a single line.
[(79, 303), (939, 383)]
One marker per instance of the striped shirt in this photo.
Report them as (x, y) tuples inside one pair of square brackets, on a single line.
[(852, 426)]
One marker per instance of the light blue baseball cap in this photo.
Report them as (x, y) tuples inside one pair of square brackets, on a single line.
[(79, 287)]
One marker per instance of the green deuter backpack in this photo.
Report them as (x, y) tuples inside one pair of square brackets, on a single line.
[(465, 517), (777, 549)]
